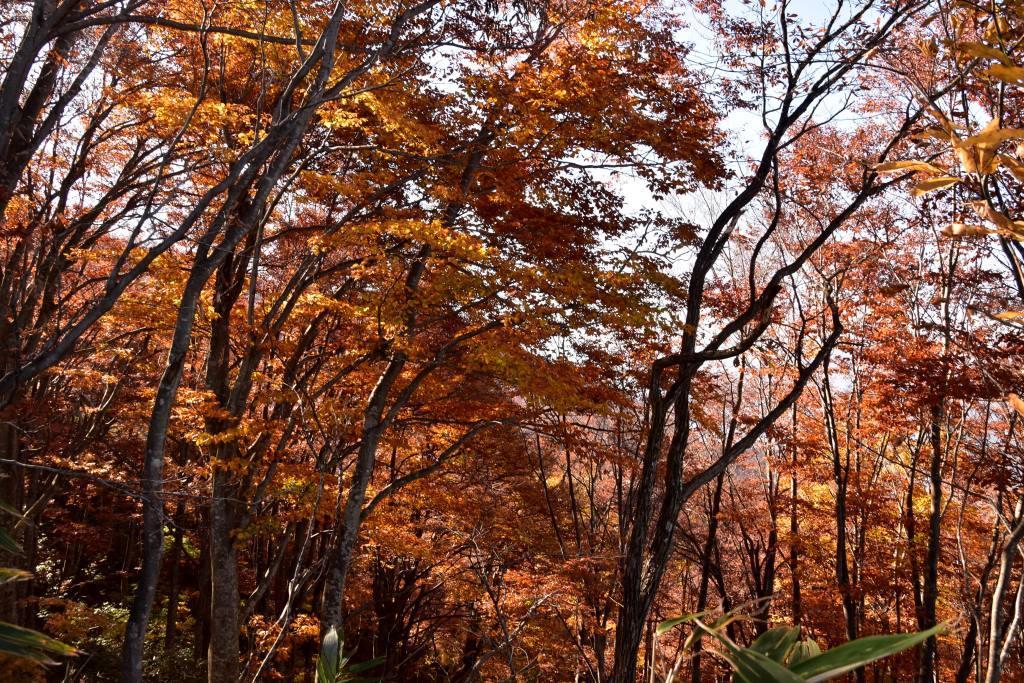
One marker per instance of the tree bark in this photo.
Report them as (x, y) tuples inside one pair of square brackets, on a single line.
[(173, 593), (930, 588), (223, 656), (998, 635), (794, 534), (841, 476), (152, 482), (705, 569)]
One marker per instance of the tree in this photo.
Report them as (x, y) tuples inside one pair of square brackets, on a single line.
[(794, 90)]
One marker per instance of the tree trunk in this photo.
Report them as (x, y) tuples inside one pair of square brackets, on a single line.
[(348, 531), (11, 493), (171, 631), (841, 477), (794, 532), (998, 631), (153, 464), (930, 589), (971, 658), (705, 568), (223, 656)]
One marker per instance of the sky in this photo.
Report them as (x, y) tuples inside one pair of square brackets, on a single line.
[(743, 128)]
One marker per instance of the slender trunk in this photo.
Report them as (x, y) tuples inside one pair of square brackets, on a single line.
[(794, 532), (841, 477), (646, 560), (910, 525), (998, 634), (930, 589), (705, 568), (348, 532), (201, 602), (766, 581), (971, 658), (963, 672), (843, 570), (375, 421), (223, 656), (374, 416), (234, 221), (173, 593), (11, 488), (637, 580), (153, 468)]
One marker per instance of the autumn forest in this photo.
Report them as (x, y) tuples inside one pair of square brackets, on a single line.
[(594, 341)]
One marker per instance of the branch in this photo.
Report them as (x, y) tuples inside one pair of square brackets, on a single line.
[(768, 420), (407, 479)]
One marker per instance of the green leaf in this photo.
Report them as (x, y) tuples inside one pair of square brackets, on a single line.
[(330, 658), (750, 665), (857, 653), (776, 643), (805, 649), (33, 645), (8, 574), (670, 624), (10, 510), (8, 544), (714, 629), (753, 667), (365, 666)]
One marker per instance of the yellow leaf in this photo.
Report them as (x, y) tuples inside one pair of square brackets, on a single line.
[(1007, 74), (1010, 315), (996, 29), (934, 184), (966, 230), (908, 165), (986, 52), (948, 126), (966, 156), (985, 210), (977, 154), (1017, 403), (1015, 167), (936, 133), (992, 135)]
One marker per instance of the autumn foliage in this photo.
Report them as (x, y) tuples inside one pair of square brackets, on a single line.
[(489, 335)]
